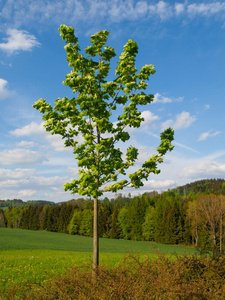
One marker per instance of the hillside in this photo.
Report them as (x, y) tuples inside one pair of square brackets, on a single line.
[(205, 186), (21, 203)]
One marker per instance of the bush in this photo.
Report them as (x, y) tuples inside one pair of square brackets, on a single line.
[(187, 277)]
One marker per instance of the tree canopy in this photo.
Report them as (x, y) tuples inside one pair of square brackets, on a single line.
[(89, 114)]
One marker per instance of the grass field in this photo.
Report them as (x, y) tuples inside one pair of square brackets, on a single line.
[(28, 257), (17, 239)]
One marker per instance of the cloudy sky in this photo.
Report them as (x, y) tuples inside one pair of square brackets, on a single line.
[(185, 40)]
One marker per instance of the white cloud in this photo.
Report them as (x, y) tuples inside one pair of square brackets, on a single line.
[(4, 92), (183, 120), (179, 8), (158, 98), (57, 142), (207, 106), (38, 131), (26, 193), (208, 134), (13, 183), (18, 40), (162, 9), (141, 8), (159, 184), (74, 12), (73, 170), (54, 181), (23, 183), (26, 144), (161, 99), (21, 157), (31, 129), (206, 9), (204, 169), (149, 117), (16, 173)]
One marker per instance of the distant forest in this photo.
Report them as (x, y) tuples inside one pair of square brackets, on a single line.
[(193, 214)]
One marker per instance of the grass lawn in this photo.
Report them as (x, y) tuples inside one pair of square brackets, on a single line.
[(17, 239), (35, 257)]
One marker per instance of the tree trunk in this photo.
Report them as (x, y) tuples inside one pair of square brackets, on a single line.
[(95, 223), (196, 229), (196, 236), (95, 241), (214, 240)]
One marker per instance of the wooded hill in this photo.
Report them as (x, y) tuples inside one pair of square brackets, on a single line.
[(19, 203), (173, 217), (205, 186)]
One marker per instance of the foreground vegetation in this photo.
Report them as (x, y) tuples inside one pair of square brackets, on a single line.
[(187, 277), (50, 265), (35, 257)]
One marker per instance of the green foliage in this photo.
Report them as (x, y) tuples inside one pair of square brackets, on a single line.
[(136, 213), (11, 203), (89, 114), (74, 225), (114, 232), (13, 217), (86, 227), (2, 218), (124, 223), (149, 226)]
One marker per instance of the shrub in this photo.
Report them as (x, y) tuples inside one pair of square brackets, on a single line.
[(187, 277)]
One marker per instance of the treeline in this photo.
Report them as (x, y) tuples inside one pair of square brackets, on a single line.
[(19, 203), (164, 218)]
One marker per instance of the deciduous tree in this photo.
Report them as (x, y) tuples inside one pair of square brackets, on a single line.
[(90, 114)]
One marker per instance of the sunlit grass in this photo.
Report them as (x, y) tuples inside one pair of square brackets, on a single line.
[(38, 266), (35, 257), (28, 239)]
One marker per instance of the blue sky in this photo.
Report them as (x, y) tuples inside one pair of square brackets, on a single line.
[(185, 40)]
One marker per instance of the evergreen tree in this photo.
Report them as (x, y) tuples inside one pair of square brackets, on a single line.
[(75, 223), (124, 223), (104, 220), (86, 227), (114, 232), (149, 226), (2, 218)]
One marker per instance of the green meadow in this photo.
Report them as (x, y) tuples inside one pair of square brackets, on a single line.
[(29, 257)]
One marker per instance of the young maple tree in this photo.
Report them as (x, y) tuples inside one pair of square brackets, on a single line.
[(89, 113)]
